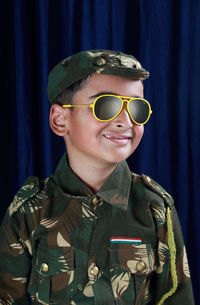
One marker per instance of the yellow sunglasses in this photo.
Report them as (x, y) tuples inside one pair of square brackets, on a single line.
[(107, 107)]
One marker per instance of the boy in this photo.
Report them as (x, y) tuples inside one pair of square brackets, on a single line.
[(94, 233)]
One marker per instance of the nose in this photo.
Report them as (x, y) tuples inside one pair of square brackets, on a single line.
[(123, 120)]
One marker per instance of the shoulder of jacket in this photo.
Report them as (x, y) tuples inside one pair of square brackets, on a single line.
[(156, 188), (29, 189)]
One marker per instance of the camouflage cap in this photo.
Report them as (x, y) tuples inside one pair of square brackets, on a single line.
[(82, 64)]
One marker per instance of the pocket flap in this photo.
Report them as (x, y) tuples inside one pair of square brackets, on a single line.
[(53, 260), (138, 259)]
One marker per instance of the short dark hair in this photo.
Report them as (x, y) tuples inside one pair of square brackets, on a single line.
[(66, 96)]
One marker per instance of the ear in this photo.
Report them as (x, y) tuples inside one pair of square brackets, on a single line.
[(58, 120)]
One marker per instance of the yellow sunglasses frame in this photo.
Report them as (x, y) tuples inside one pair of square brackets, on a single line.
[(123, 99)]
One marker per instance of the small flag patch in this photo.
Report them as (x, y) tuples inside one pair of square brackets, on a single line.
[(126, 240)]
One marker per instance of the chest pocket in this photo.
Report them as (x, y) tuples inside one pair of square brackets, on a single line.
[(131, 268), (52, 274)]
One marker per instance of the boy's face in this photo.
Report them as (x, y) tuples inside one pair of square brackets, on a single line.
[(102, 143)]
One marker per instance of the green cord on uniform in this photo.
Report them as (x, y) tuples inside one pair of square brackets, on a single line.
[(172, 249)]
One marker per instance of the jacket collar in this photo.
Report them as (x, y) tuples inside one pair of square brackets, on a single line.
[(115, 189)]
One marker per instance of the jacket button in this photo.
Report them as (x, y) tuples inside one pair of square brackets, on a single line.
[(101, 61), (44, 267), (141, 266), (94, 271), (97, 200)]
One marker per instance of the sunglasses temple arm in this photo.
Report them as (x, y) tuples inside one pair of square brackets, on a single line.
[(70, 106)]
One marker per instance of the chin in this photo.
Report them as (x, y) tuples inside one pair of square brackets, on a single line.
[(117, 158)]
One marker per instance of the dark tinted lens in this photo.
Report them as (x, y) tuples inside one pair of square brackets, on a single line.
[(106, 107), (139, 110)]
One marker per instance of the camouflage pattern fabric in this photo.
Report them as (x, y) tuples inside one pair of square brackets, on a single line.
[(82, 64), (62, 244)]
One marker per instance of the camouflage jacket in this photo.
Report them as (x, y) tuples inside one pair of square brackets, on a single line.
[(62, 244)]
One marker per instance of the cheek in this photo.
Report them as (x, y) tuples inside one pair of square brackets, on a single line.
[(86, 127), (138, 130)]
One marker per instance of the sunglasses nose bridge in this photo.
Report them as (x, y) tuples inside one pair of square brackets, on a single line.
[(124, 109), (125, 103)]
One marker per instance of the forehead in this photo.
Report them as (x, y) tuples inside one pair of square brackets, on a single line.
[(113, 84)]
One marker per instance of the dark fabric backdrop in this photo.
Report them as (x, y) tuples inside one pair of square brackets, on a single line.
[(163, 34)]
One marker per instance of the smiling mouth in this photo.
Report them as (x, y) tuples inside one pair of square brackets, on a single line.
[(118, 139)]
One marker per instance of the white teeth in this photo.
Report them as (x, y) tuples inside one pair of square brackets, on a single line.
[(116, 138)]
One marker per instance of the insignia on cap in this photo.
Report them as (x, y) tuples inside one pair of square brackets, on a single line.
[(101, 61)]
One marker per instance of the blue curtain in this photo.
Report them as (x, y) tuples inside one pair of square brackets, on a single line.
[(163, 34)]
